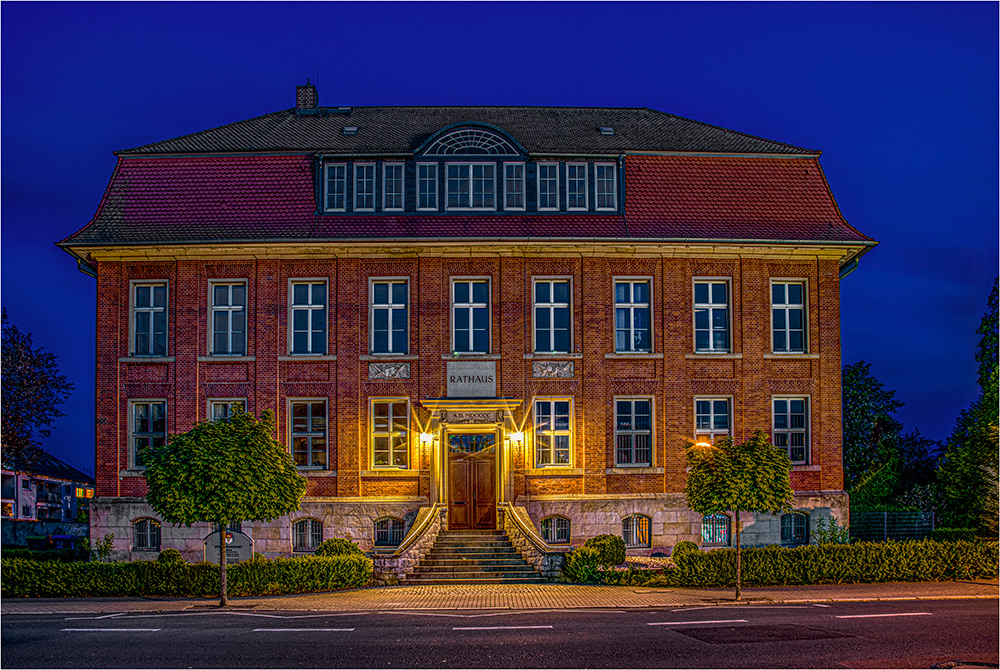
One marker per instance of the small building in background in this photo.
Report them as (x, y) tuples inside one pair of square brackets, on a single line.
[(52, 499)]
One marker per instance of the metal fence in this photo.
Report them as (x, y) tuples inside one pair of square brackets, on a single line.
[(879, 526)]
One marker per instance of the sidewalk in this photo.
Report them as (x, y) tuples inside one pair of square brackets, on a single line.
[(514, 597)]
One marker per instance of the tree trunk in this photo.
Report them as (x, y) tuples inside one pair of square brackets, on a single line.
[(739, 575), (224, 601)]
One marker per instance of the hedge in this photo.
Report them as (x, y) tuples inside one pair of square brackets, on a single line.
[(37, 579), (62, 555)]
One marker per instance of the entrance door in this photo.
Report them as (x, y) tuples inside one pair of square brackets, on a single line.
[(472, 500)]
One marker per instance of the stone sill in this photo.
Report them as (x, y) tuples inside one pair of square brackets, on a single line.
[(634, 471), (806, 468), (791, 356), (318, 472), (639, 357), (553, 472), (552, 357), (227, 359), (146, 359), (708, 357), (389, 358), (470, 357), (306, 358), (390, 472), (132, 472)]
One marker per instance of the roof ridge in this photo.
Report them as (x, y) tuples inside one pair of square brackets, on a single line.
[(199, 132)]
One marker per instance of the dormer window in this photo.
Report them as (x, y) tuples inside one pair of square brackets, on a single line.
[(471, 141), (364, 187), (471, 185)]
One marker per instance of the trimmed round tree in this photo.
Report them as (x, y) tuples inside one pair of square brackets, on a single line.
[(734, 478), (221, 472)]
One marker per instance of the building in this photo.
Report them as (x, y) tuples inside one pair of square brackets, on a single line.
[(474, 308), (44, 500)]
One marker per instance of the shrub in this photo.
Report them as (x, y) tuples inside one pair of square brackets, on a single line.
[(831, 532), (60, 555), (337, 546), (610, 549), (170, 556), (684, 547), (581, 565), (954, 534)]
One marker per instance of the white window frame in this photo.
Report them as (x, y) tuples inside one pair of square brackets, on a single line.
[(310, 534), (212, 309), (597, 188), (538, 185), (711, 306), (469, 207), (390, 307), (132, 435), (632, 306), (585, 183), (329, 167), (712, 433), (358, 168), (788, 430), (133, 287), (227, 402), (786, 307), (309, 433), (292, 308), (373, 434), (385, 186), (434, 181), (471, 305), (552, 307), (552, 432), (517, 180), (633, 432)]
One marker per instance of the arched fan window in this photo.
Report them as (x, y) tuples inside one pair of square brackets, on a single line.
[(471, 142)]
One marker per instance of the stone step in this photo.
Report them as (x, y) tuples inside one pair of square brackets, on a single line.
[(433, 581), (459, 562), (491, 544), (457, 570)]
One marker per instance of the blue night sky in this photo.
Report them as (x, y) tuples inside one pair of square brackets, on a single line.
[(901, 97)]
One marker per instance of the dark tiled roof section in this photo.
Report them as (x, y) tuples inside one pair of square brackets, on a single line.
[(540, 130), (732, 198), (51, 467)]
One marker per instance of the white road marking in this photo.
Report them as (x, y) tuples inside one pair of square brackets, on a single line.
[(93, 618), (875, 616), (110, 630), (492, 614), (303, 630), (500, 627), (818, 605), (688, 623)]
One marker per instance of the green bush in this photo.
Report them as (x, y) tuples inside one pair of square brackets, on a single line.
[(610, 549), (170, 556), (954, 534), (40, 579), (582, 565), (60, 555), (337, 546), (683, 547)]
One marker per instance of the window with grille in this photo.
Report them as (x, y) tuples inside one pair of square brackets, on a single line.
[(149, 319), (555, 529), (794, 529), (576, 186), (552, 432), (427, 186), (336, 187), (388, 532), (392, 187), (229, 318), (470, 305), (606, 187), (788, 317), (632, 317), (308, 317), (389, 316), (308, 433), (307, 534), (149, 427), (548, 186), (711, 317), (470, 185), (633, 432), (513, 186), (364, 187), (712, 418), (146, 535), (390, 433), (791, 428), (636, 531), (715, 530), (552, 316)]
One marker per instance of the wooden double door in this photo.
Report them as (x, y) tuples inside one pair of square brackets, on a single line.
[(472, 499)]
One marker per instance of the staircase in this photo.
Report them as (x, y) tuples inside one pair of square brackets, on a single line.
[(473, 557)]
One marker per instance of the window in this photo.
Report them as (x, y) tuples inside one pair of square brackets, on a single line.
[(794, 529), (149, 427), (149, 314), (25, 511), (308, 318), (791, 427), (427, 189), (390, 431), (308, 432), (576, 186), (388, 532), (470, 301), (788, 328), (389, 317), (548, 186), (470, 186), (711, 317), (552, 316), (221, 410), (364, 187), (392, 187), (715, 530), (632, 312), (555, 529), (146, 535), (552, 432), (635, 531), (633, 432), (307, 534), (336, 187), (25, 484), (229, 318), (606, 186), (711, 418), (513, 186)]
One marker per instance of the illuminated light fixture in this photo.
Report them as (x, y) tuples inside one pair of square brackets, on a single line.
[(426, 438), (517, 438)]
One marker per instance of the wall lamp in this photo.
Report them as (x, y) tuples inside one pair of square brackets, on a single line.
[(517, 438), (426, 438)]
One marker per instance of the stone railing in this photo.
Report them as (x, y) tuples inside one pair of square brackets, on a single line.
[(390, 567), (521, 532)]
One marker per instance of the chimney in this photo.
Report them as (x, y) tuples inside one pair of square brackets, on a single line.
[(306, 96)]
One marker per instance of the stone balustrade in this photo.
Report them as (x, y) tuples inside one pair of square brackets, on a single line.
[(389, 568), (521, 532)]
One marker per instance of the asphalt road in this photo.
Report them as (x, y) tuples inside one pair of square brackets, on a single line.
[(902, 634)]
